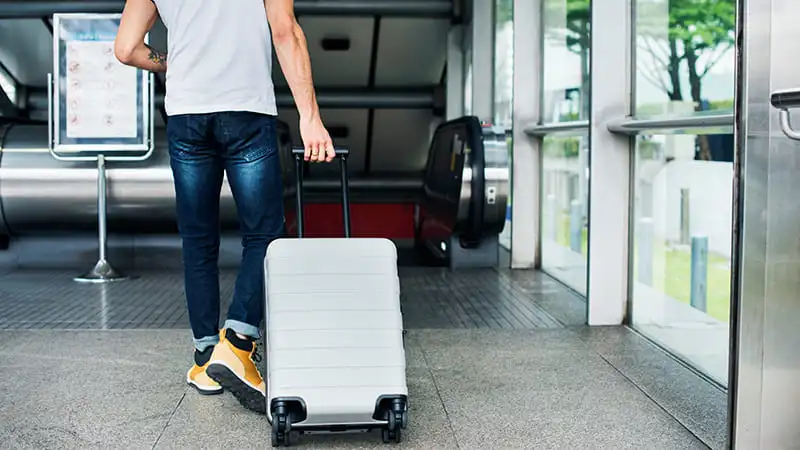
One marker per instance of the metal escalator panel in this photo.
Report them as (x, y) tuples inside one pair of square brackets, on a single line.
[(497, 180), (448, 203), (441, 193), (465, 188)]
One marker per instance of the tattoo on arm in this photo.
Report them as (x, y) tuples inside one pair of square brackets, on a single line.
[(156, 56)]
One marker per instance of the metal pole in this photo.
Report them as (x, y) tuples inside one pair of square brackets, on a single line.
[(699, 270), (298, 165), (101, 206), (551, 226), (685, 211), (345, 196), (575, 226), (103, 271)]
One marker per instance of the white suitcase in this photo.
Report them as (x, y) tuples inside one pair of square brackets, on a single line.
[(334, 332)]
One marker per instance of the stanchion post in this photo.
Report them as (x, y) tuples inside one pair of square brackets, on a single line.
[(576, 226), (685, 214), (83, 142), (699, 277), (552, 218), (103, 271)]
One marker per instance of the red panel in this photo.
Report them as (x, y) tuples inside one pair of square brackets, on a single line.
[(391, 221)]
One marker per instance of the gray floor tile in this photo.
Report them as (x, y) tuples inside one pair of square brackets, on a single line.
[(537, 401), (700, 406), (490, 365), (430, 298), (89, 389), (205, 422)]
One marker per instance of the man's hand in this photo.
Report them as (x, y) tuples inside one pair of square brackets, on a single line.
[(292, 51), (316, 140), (138, 17)]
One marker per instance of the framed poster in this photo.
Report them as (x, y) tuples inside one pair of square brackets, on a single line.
[(98, 105)]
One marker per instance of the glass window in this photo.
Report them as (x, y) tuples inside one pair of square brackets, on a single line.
[(8, 85), (681, 261), (685, 65), (504, 86), (503, 62), (565, 168), (505, 235), (685, 56), (565, 159), (566, 28)]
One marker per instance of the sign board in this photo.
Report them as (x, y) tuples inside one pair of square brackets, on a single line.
[(98, 105)]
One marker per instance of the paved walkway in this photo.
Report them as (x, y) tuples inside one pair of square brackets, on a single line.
[(545, 382)]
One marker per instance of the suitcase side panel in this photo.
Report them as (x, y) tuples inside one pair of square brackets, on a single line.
[(334, 327)]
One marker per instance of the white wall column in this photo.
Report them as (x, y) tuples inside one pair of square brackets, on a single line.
[(455, 72), (610, 167), (526, 169), (482, 38)]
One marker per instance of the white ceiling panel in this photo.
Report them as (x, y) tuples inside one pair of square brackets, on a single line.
[(400, 140), (411, 51), (26, 49), (336, 68), (356, 122)]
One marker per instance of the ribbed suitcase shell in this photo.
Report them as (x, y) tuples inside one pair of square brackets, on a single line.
[(334, 329)]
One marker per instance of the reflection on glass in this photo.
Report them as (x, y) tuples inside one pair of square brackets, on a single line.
[(503, 62), (467, 76), (565, 181), (505, 235), (7, 85), (681, 250), (503, 86), (566, 25), (685, 56)]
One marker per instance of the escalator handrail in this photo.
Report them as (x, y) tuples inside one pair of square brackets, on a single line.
[(473, 137)]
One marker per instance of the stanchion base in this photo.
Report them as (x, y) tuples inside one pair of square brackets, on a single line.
[(102, 272)]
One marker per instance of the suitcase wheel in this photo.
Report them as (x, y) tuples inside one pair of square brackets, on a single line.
[(281, 428), (397, 419)]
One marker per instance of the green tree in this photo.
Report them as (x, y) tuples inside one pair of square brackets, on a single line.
[(697, 28), (700, 33), (504, 11)]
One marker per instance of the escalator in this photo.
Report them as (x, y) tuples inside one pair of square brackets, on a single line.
[(455, 206)]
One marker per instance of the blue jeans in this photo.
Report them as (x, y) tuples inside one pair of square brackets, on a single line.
[(202, 147)]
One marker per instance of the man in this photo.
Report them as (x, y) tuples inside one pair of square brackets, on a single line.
[(220, 101)]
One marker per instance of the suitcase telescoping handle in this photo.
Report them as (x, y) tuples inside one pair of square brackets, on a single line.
[(342, 153)]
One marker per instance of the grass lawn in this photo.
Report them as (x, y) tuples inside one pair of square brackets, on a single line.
[(672, 272)]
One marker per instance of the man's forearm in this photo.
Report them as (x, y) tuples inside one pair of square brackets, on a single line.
[(145, 57), (292, 51)]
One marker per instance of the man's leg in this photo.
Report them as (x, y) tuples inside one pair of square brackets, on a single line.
[(254, 174), (197, 170)]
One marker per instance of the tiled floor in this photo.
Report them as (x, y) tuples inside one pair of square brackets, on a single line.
[(431, 298), (496, 360)]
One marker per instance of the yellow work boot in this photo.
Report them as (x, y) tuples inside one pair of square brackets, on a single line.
[(232, 365), (198, 377)]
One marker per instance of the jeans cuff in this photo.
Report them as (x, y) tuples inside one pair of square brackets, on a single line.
[(205, 342), (243, 328)]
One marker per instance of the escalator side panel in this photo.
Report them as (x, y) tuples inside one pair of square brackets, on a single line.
[(477, 167), (496, 176), (449, 205)]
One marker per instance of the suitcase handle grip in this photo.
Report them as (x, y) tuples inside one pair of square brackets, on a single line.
[(342, 153)]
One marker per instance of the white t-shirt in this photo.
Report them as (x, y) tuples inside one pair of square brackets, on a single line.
[(219, 56)]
